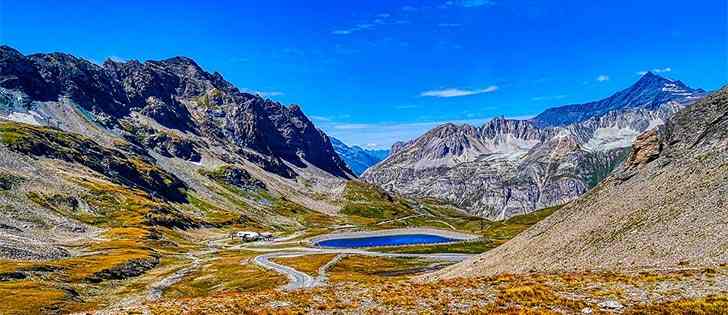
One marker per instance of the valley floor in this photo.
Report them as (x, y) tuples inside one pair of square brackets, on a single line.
[(289, 278), (203, 271)]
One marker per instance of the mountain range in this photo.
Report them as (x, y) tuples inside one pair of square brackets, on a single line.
[(665, 206), (357, 158), (508, 167)]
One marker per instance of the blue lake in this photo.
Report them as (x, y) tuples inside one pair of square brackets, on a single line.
[(386, 240)]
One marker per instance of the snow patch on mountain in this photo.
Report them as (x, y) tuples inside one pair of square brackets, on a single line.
[(30, 117)]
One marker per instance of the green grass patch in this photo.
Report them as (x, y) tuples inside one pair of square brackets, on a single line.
[(467, 247), (368, 203)]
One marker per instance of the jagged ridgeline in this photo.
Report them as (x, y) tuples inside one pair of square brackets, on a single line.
[(171, 106), (509, 167)]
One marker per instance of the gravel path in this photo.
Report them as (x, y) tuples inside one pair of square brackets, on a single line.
[(299, 280), (156, 289), (325, 268)]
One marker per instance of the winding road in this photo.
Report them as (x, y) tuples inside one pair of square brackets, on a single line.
[(299, 280), (296, 279)]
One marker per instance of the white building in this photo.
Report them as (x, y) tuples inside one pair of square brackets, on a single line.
[(249, 236)]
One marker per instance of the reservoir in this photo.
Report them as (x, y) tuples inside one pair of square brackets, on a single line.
[(385, 240)]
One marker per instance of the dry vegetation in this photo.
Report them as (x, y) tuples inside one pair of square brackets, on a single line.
[(376, 269), (131, 250), (309, 264), (688, 291), (225, 271)]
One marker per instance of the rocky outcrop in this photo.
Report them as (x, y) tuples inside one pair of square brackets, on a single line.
[(509, 167), (47, 252), (171, 218), (166, 144), (132, 171), (8, 181), (132, 268), (645, 149), (235, 177)]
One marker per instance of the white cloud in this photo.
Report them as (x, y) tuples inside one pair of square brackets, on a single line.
[(549, 98), (657, 70), (458, 92), (603, 78), (357, 28), (352, 126), (320, 118), (449, 25), (262, 93), (342, 32), (409, 8)]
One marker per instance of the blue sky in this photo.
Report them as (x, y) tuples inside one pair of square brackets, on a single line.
[(374, 72)]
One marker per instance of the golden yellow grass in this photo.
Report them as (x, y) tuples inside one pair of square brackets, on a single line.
[(225, 271), (374, 269), (505, 294), (308, 264)]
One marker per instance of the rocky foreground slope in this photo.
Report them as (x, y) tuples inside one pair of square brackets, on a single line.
[(666, 206), (508, 167)]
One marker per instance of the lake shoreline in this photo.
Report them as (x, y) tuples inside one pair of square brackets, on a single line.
[(457, 236)]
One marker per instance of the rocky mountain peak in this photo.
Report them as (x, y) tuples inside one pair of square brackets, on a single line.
[(651, 81), (500, 126), (450, 130), (649, 92), (398, 146), (182, 60)]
